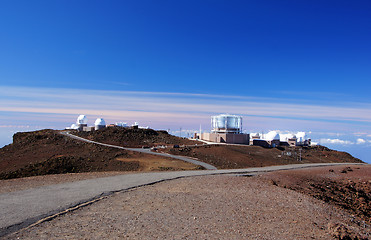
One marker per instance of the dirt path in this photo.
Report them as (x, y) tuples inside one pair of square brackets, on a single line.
[(19, 184), (207, 207), (23, 208)]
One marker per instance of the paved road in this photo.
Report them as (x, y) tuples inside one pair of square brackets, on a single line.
[(186, 159), (23, 208)]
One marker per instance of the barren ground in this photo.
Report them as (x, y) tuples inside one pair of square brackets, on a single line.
[(275, 205), (47, 152), (18, 184), (234, 156)]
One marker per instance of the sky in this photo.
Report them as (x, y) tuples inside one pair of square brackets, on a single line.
[(282, 65)]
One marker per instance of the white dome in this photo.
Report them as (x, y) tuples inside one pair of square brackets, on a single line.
[(82, 120), (290, 135), (300, 136), (100, 122), (272, 135), (74, 126), (287, 136)]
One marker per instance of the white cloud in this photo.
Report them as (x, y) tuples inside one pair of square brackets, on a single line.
[(56, 100), (360, 141), (335, 141), (176, 109), (330, 134), (14, 126)]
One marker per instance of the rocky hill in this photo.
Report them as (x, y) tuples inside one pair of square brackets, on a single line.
[(49, 152), (232, 156), (129, 137)]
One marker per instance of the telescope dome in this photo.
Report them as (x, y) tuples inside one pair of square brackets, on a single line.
[(272, 135), (82, 120), (100, 122), (301, 136)]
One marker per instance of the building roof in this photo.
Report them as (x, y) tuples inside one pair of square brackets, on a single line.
[(82, 119), (272, 135), (100, 122)]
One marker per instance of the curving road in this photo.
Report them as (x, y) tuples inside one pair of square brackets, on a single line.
[(182, 158), (24, 208)]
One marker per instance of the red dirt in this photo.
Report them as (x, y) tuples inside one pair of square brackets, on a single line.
[(210, 207), (48, 152), (348, 187), (232, 156)]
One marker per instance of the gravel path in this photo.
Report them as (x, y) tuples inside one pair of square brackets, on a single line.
[(19, 184), (22, 208), (207, 207)]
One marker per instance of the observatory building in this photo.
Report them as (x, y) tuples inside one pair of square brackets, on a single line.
[(274, 139), (81, 122), (271, 139), (99, 123), (225, 129), (225, 123)]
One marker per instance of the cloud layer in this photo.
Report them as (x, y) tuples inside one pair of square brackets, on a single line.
[(180, 108), (340, 126)]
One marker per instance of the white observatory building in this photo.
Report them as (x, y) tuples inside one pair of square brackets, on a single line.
[(225, 123), (225, 128), (81, 122), (99, 124)]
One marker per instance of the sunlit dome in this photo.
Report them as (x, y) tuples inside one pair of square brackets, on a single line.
[(272, 135), (300, 136), (74, 126), (286, 137), (290, 135), (100, 122), (82, 120)]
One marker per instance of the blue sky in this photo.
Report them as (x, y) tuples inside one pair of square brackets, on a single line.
[(282, 65)]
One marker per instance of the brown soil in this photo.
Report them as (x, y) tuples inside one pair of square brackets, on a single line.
[(210, 207), (154, 163), (129, 137), (232, 156), (348, 187), (48, 152)]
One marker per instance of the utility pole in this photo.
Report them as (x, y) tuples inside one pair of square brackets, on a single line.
[(180, 132)]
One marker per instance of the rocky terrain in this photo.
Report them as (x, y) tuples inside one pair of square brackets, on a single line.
[(233, 156), (346, 187), (48, 152), (129, 137), (292, 204)]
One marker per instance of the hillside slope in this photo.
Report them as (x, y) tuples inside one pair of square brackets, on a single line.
[(233, 156), (129, 137), (48, 152)]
